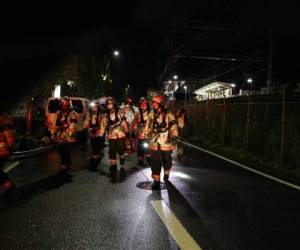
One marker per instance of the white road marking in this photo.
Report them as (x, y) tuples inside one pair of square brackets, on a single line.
[(243, 166), (11, 166)]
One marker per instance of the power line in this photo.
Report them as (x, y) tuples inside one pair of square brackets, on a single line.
[(232, 59)]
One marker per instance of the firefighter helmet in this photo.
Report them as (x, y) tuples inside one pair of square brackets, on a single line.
[(160, 99), (142, 99), (65, 103), (102, 101), (143, 103), (95, 106), (111, 100), (129, 101)]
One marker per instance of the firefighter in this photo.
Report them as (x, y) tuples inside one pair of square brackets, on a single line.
[(97, 138), (102, 102), (116, 127), (181, 120), (64, 132), (162, 132), (7, 137), (130, 115), (139, 128)]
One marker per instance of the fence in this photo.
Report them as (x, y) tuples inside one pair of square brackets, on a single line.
[(265, 126)]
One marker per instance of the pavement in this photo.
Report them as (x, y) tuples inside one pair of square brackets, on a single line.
[(208, 204)]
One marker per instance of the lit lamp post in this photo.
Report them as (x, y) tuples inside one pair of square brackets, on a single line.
[(175, 77), (116, 53), (250, 81), (233, 85), (185, 97), (116, 72), (71, 84)]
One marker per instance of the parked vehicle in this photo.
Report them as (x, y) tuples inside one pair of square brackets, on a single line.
[(80, 105)]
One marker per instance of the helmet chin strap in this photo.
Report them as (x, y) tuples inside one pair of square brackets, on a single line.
[(111, 109), (158, 110)]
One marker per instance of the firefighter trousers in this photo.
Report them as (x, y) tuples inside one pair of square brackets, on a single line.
[(64, 150), (97, 144), (116, 146), (160, 159)]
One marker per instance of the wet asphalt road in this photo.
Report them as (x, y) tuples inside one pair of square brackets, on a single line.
[(220, 205)]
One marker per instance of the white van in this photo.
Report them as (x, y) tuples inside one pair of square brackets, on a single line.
[(80, 105)]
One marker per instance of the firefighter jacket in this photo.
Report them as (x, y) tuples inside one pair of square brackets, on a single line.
[(162, 131), (93, 124), (65, 126), (180, 117), (115, 124), (7, 135), (131, 116), (140, 124)]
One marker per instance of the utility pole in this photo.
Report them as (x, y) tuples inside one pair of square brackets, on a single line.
[(270, 61)]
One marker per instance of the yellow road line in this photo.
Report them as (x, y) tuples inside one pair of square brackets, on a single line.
[(178, 232)]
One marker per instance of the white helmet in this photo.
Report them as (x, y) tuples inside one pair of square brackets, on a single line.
[(102, 100)]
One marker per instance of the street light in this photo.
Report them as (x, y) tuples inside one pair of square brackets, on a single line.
[(233, 85), (175, 77), (185, 99), (250, 80), (70, 83), (116, 53)]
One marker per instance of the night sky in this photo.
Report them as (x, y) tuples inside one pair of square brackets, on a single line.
[(34, 40)]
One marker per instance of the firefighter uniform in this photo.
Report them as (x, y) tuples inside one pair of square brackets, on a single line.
[(116, 127), (64, 132), (139, 128), (181, 119), (131, 116), (7, 137), (97, 139), (162, 130)]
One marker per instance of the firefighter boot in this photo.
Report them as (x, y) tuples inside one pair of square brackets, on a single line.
[(93, 164), (113, 173), (8, 186), (122, 160), (156, 185), (122, 174), (140, 161), (166, 177), (111, 170)]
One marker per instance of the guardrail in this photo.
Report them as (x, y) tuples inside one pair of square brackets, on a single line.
[(17, 155)]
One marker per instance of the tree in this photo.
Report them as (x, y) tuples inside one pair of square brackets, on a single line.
[(94, 76)]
